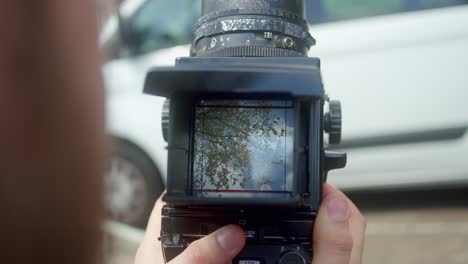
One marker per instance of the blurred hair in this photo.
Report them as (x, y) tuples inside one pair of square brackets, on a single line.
[(52, 141)]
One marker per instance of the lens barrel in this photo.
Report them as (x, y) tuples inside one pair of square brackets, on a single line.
[(252, 28)]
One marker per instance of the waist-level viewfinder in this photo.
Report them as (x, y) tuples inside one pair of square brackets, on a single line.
[(245, 126)]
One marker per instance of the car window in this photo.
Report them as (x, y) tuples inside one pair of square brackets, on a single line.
[(160, 24), (335, 10)]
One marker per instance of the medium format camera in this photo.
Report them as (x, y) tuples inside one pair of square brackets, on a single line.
[(245, 123)]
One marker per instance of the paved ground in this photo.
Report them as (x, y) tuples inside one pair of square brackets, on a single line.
[(417, 236), (405, 227), (425, 226)]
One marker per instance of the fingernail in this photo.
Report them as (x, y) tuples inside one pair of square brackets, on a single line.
[(338, 209), (228, 239)]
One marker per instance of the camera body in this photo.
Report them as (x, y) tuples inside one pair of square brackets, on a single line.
[(277, 217), (245, 123)]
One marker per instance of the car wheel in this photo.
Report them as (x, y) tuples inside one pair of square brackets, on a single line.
[(132, 185)]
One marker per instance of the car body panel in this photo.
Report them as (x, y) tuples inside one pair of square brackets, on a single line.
[(397, 74), (132, 115)]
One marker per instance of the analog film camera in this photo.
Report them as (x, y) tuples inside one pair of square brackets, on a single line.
[(245, 125)]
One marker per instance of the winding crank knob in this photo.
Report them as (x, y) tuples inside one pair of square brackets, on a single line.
[(333, 123)]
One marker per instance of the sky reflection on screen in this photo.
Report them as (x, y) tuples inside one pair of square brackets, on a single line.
[(243, 148)]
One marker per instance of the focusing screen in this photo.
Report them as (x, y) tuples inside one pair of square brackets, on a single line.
[(243, 148)]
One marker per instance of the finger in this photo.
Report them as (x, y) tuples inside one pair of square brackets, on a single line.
[(219, 247), (332, 238), (327, 190), (150, 250), (154, 223), (357, 225)]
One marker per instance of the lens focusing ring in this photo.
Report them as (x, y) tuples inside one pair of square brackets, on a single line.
[(266, 12), (253, 23), (296, 7), (282, 22), (256, 51)]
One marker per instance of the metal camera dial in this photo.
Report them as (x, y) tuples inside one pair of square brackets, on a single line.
[(294, 257), (165, 120), (333, 122)]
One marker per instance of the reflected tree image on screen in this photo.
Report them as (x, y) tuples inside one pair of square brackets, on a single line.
[(243, 148)]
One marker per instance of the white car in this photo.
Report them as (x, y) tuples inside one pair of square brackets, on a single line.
[(400, 69)]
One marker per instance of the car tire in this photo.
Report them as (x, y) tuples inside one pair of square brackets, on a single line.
[(132, 185)]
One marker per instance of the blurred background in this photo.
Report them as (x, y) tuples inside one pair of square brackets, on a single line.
[(400, 69)]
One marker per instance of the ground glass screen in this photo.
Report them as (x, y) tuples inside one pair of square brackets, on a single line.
[(243, 148)]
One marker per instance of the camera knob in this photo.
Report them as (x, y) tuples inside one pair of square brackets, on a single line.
[(165, 119), (333, 123), (293, 257)]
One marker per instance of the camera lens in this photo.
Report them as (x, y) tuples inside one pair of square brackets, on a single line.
[(252, 29)]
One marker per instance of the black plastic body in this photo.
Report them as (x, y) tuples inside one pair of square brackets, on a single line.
[(270, 233), (276, 228), (297, 79)]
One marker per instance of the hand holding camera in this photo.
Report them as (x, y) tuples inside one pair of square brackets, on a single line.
[(339, 237)]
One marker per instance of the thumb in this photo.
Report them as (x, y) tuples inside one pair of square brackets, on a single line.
[(219, 247), (333, 242)]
